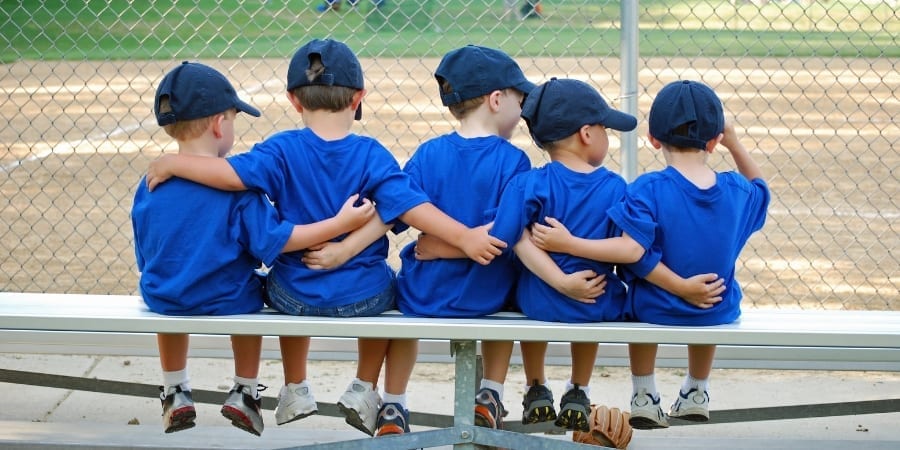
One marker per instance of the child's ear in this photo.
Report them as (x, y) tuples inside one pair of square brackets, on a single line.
[(357, 99), (711, 145), (493, 100), (294, 102), (654, 142), (584, 133), (216, 125)]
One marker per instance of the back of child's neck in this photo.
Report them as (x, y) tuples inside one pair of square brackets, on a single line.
[(469, 129), (572, 161), (692, 165), (198, 147), (329, 125)]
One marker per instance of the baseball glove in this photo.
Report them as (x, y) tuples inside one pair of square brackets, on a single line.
[(609, 428)]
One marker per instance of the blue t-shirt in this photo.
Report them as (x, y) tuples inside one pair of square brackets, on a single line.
[(579, 201), (692, 231), (464, 178), (197, 247), (309, 179)]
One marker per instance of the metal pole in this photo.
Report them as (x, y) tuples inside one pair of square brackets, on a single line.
[(629, 92)]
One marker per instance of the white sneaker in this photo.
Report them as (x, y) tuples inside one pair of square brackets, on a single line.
[(295, 401), (646, 413), (693, 406), (360, 406)]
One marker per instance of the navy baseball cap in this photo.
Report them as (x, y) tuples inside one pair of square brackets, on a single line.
[(558, 108), (690, 105), (342, 68), (196, 91), (474, 71)]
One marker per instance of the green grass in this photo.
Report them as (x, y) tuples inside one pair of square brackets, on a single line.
[(123, 29)]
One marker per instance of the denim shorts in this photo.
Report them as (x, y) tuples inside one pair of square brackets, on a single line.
[(281, 300)]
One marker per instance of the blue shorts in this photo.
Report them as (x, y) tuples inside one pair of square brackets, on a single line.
[(281, 300)]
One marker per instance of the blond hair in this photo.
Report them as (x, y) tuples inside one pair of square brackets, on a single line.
[(462, 109), (184, 130)]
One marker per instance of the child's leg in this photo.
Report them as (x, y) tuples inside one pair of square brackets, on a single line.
[(575, 404), (372, 353), (173, 350), (646, 414), (399, 364), (295, 400), (693, 397), (700, 361), (393, 416), (294, 354), (243, 406), (533, 354), (489, 410), (584, 356), (247, 351), (537, 405), (177, 404)]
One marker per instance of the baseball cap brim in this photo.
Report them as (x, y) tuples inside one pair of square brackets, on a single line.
[(243, 106), (619, 121)]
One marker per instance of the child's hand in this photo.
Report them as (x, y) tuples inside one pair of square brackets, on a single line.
[(158, 172), (480, 246), (355, 216), (326, 256), (554, 237), (729, 136), (584, 286), (703, 291)]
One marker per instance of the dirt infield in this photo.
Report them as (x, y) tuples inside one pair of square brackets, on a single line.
[(79, 135)]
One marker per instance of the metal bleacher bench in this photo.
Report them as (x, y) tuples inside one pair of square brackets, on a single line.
[(858, 340)]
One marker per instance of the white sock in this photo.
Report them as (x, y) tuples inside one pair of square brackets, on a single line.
[(694, 383), (645, 382), (494, 386), (394, 398), (176, 378), (249, 383), (586, 389)]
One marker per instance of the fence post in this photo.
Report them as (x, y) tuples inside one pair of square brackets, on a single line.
[(629, 73)]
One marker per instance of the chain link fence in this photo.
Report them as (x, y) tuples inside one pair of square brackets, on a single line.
[(811, 85)]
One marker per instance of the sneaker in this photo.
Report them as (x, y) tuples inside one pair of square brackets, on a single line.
[(295, 401), (360, 406), (178, 409), (243, 409), (392, 419), (693, 406), (574, 410), (489, 411), (538, 405), (646, 413)]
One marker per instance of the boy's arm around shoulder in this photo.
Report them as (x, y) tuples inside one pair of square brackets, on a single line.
[(213, 172), (555, 237)]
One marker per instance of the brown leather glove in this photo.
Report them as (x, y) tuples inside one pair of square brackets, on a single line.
[(609, 428)]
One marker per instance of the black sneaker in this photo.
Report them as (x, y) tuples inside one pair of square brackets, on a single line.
[(243, 410), (392, 419), (178, 409), (538, 405), (489, 412), (574, 410)]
